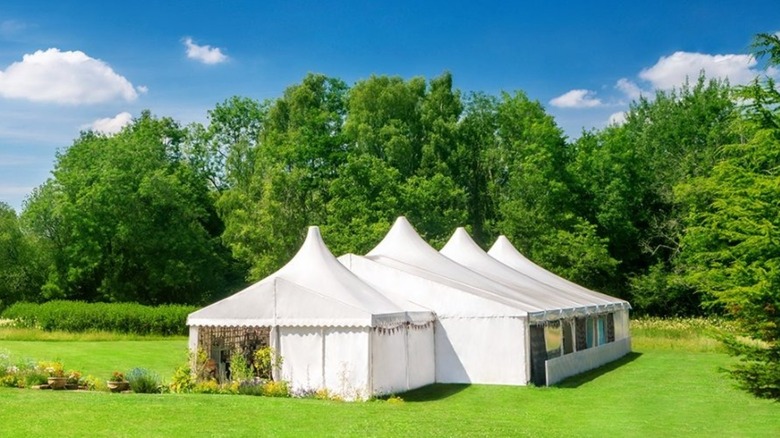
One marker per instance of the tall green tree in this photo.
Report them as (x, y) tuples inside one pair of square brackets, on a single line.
[(731, 246), (24, 262), (531, 184), (299, 152), (624, 177), (130, 219)]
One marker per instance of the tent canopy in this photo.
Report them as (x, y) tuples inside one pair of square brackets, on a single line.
[(404, 249), (312, 289), (503, 251), (462, 249), (447, 298)]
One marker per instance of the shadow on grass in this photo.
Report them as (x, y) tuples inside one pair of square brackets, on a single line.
[(581, 379), (437, 391)]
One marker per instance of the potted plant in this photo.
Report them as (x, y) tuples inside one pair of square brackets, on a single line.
[(117, 382), (73, 380), (56, 375)]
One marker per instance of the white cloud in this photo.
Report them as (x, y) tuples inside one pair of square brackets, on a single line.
[(205, 54), (64, 77), (617, 118), (671, 71), (112, 125), (576, 99), (143, 89), (629, 88)]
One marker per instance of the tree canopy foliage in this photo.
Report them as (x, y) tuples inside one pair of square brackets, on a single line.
[(127, 218)]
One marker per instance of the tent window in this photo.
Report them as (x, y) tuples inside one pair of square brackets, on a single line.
[(589, 335), (579, 333), (568, 337), (611, 327), (552, 339), (602, 329)]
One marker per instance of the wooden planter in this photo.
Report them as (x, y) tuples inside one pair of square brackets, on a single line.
[(57, 382), (114, 386)]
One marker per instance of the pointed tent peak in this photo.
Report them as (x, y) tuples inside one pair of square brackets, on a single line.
[(313, 249), (401, 239), (460, 240), (503, 245), (313, 233)]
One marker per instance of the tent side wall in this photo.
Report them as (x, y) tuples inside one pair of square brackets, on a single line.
[(481, 350), (422, 361), (578, 362), (333, 358), (402, 359), (559, 368), (621, 324), (390, 360)]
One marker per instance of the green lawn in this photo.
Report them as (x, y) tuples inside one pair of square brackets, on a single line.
[(101, 358), (656, 391)]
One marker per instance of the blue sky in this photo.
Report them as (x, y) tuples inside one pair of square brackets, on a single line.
[(72, 65)]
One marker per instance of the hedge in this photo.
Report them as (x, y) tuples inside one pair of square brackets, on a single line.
[(78, 316)]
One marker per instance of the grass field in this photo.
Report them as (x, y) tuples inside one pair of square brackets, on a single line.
[(662, 389)]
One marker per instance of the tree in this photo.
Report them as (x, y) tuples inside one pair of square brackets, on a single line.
[(731, 246), (130, 220), (299, 153), (531, 186), (624, 178), (23, 263)]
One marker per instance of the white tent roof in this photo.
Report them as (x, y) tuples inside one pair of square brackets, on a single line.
[(448, 299), (503, 251), (402, 248), (312, 289), (462, 249)]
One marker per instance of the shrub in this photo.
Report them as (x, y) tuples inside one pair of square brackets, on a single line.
[(13, 380), (35, 376), (143, 381), (182, 380), (240, 370), (93, 383), (207, 387), (265, 361), (276, 389), (395, 400), (250, 387), (77, 316)]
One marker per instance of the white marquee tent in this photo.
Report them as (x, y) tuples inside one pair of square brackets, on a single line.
[(332, 330)]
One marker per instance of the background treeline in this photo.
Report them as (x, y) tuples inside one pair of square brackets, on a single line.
[(161, 213), (677, 209)]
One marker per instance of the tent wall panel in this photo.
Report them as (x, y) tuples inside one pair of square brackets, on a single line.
[(422, 362), (481, 350), (389, 361), (347, 361), (301, 350), (581, 361), (621, 324)]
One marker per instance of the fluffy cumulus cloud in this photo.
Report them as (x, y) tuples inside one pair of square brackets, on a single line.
[(205, 54), (64, 77), (630, 89), (112, 125), (576, 99), (617, 118), (671, 71)]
